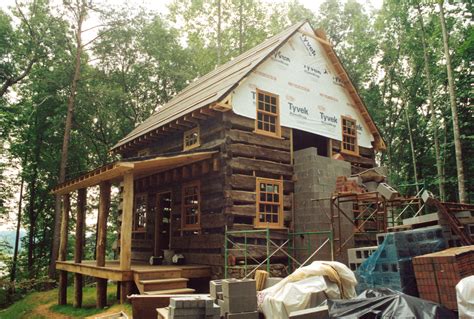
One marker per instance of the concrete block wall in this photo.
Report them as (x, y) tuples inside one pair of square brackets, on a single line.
[(315, 178)]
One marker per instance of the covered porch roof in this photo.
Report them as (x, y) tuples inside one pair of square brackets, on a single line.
[(139, 167)]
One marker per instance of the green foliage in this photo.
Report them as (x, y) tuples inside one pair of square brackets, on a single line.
[(140, 60)]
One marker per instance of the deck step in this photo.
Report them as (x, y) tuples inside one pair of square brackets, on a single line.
[(171, 291), (162, 281), (163, 284)]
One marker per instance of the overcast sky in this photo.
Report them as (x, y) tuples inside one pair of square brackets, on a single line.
[(160, 5)]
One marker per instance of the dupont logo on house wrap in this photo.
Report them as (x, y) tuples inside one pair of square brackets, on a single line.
[(308, 69), (298, 110), (307, 44), (330, 120), (280, 58)]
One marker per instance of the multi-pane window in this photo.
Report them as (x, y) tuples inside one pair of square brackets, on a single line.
[(268, 121), (139, 217), (191, 207), (349, 136), (191, 138), (269, 203)]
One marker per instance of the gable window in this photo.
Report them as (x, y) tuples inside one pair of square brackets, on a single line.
[(269, 203), (268, 112), (191, 138), (349, 136), (191, 210), (139, 216)]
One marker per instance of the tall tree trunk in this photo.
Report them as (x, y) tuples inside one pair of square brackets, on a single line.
[(241, 27), (17, 235), (434, 121), (412, 147), (454, 109), (219, 35), (80, 7)]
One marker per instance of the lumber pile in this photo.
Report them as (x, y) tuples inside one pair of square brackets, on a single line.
[(437, 274)]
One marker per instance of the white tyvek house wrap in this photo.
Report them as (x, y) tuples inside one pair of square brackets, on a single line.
[(311, 96)]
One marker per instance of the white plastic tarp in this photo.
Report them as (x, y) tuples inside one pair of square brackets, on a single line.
[(465, 297), (294, 292)]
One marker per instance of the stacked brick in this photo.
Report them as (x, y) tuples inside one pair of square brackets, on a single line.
[(437, 274), (237, 298), (348, 185)]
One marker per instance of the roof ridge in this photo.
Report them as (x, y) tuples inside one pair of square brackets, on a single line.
[(256, 55)]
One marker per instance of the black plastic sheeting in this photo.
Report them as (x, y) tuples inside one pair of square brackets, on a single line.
[(387, 303)]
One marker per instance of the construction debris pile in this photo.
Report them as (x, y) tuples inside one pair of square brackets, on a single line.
[(390, 266), (422, 266)]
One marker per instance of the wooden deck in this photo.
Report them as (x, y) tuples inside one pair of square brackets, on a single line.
[(112, 271)]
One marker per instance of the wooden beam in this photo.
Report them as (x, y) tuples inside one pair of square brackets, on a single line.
[(79, 244), (91, 270), (197, 115), (125, 288), (62, 290), (126, 228), (104, 206), (80, 221)]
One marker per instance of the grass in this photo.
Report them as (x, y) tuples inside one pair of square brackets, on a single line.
[(39, 305)]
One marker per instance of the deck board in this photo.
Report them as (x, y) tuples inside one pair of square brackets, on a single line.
[(112, 271)]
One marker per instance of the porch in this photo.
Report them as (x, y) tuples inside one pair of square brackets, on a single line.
[(126, 270), (111, 270)]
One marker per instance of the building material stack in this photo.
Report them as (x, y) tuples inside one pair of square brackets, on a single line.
[(239, 299), (190, 308), (437, 274), (357, 256), (391, 266)]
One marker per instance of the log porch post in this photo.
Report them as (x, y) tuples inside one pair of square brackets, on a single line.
[(62, 290), (79, 245), (104, 206), (126, 233)]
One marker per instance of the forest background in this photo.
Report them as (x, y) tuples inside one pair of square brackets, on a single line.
[(70, 90)]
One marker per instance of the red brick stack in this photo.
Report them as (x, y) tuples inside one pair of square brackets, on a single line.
[(344, 185), (437, 274)]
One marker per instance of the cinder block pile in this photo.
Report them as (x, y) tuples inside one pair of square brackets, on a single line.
[(437, 274), (391, 266), (237, 298), (193, 308)]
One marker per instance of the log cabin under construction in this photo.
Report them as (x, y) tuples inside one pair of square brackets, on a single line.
[(247, 146)]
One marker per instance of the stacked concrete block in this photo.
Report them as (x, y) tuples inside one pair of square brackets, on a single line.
[(316, 179), (193, 308), (215, 289), (357, 256), (387, 191), (239, 299)]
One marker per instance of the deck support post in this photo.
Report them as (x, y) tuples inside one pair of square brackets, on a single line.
[(126, 233), (79, 244), (62, 290), (125, 287), (104, 206)]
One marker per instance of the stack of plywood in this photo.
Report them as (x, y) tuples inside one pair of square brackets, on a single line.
[(437, 274)]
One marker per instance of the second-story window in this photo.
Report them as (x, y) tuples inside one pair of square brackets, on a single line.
[(268, 111), (349, 136), (191, 138)]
